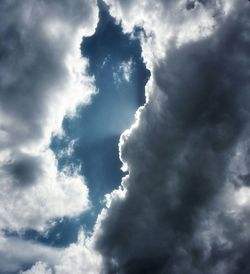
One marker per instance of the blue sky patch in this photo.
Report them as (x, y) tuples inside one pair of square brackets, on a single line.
[(120, 77)]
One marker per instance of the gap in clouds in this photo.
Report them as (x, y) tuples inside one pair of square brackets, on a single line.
[(91, 139)]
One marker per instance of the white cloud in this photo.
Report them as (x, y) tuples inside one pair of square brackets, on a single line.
[(43, 79), (50, 194), (126, 69), (14, 253), (123, 73), (78, 258), (38, 268), (166, 22)]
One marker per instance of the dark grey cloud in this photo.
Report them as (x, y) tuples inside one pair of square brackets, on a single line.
[(180, 214), (25, 170)]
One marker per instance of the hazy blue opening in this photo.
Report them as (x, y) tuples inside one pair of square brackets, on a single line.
[(99, 125)]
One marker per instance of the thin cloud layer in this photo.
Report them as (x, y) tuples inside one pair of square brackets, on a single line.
[(184, 206), (15, 253), (77, 258)]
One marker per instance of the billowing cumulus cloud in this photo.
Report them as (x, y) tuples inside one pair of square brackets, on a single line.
[(34, 191), (163, 21), (79, 258), (184, 206), (43, 78)]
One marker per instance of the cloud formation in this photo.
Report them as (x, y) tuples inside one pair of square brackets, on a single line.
[(77, 258), (15, 253), (43, 79), (184, 206)]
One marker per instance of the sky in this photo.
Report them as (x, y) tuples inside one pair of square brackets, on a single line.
[(124, 137)]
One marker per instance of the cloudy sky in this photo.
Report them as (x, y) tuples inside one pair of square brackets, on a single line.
[(124, 137)]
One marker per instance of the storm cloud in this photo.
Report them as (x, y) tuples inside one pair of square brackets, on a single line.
[(184, 206)]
